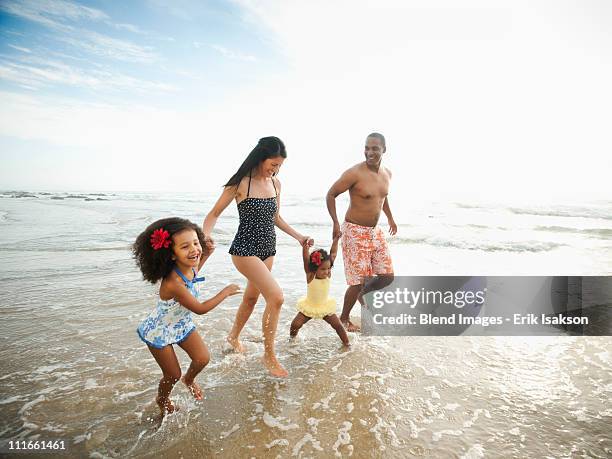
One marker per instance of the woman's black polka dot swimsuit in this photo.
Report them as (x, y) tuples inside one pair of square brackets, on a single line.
[(256, 235)]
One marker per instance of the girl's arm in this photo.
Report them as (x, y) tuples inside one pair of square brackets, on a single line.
[(181, 294), (334, 248), (306, 258), (206, 252), (229, 193), (285, 227)]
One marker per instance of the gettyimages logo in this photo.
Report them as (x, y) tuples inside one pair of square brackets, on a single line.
[(515, 305), (411, 298)]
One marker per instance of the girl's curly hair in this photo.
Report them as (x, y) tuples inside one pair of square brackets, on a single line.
[(157, 264), (312, 267)]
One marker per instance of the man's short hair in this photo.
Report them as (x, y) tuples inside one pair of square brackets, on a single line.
[(380, 137)]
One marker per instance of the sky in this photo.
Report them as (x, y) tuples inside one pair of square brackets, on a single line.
[(490, 99)]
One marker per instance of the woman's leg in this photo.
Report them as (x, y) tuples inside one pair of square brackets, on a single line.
[(198, 352), (249, 299), (171, 371), (258, 273), (297, 323)]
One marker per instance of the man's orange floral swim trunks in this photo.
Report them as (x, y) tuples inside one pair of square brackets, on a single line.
[(365, 252)]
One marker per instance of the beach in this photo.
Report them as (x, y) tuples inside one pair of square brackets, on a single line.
[(74, 369)]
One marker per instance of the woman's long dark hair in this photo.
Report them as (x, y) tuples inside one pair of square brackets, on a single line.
[(267, 147)]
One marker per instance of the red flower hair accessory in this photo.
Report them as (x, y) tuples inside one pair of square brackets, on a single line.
[(160, 238), (316, 258)]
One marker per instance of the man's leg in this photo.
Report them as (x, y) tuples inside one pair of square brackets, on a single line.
[(350, 298), (375, 283)]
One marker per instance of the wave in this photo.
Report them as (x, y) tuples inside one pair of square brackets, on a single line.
[(516, 247), (568, 212), (65, 249), (595, 232)]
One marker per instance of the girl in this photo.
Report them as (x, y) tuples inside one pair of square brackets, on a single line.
[(317, 304), (173, 250), (257, 191)]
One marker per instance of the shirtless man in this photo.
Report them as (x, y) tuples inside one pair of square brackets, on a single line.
[(364, 249)]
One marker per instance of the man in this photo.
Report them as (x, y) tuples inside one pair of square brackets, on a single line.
[(364, 249)]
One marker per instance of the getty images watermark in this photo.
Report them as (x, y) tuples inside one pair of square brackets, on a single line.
[(516, 305)]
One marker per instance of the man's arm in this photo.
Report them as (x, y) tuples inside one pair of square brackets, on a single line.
[(387, 210), (345, 182)]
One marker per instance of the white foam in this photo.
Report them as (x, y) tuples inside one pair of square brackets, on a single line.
[(437, 435), (231, 431), (475, 452), (451, 406), (344, 438), (16, 398), (305, 439), (273, 422), (324, 403), (277, 442), (313, 423), (29, 405)]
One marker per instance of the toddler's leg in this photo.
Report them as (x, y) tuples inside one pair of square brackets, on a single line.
[(334, 321), (299, 320), (171, 370), (197, 350)]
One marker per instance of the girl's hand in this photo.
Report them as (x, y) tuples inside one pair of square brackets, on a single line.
[(231, 289), (306, 241), (209, 244)]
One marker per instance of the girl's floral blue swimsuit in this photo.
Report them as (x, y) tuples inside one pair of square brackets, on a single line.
[(170, 322)]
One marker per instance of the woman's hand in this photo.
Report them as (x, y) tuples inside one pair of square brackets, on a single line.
[(306, 241)]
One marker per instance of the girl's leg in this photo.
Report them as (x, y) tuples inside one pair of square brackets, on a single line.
[(249, 299), (258, 272), (334, 321), (299, 320), (171, 370), (198, 352)]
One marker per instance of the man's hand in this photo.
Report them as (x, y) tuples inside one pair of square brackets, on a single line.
[(392, 227), (336, 233)]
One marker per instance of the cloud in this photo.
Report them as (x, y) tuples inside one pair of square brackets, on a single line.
[(61, 16), (20, 48), (36, 73), (51, 12), (231, 54), (113, 48)]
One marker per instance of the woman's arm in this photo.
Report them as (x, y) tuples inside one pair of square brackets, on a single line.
[(284, 226), (226, 197)]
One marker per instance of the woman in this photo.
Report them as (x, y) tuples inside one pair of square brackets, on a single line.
[(257, 193)]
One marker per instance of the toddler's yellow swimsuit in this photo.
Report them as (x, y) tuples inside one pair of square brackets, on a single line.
[(317, 304)]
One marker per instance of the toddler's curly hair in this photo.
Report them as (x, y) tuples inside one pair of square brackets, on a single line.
[(157, 264), (312, 266)]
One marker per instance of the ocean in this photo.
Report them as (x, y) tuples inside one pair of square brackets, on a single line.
[(73, 368)]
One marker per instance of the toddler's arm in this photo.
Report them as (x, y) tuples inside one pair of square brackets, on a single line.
[(306, 258), (334, 247)]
